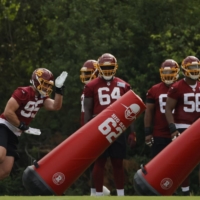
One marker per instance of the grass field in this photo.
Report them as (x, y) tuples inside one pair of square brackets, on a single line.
[(95, 198)]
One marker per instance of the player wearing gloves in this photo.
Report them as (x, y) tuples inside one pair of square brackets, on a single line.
[(89, 72), (183, 98), (99, 94), (20, 110), (159, 136)]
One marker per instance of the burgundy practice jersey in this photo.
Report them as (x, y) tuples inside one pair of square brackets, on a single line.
[(104, 92), (29, 104), (157, 95), (187, 109)]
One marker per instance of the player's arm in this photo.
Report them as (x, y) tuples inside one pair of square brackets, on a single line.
[(9, 112), (170, 105), (56, 103), (148, 120), (88, 108)]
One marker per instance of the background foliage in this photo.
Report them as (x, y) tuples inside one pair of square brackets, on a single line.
[(62, 35)]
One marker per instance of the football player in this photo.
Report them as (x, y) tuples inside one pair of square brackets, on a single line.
[(157, 134), (99, 94), (21, 109), (89, 72), (183, 98)]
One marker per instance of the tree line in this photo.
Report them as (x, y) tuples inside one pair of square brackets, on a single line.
[(61, 35)]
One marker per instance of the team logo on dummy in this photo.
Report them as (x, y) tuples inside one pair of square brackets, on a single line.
[(166, 183), (131, 111), (58, 178)]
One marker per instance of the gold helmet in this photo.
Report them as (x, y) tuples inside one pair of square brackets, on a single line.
[(42, 79), (107, 66), (191, 67), (88, 71), (169, 71)]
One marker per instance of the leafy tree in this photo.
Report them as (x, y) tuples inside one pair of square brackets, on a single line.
[(62, 35)]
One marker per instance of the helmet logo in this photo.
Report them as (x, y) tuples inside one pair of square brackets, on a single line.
[(131, 111), (39, 72)]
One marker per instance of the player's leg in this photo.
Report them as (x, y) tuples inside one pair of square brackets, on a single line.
[(159, 144), (98, 174), (8, 147), (6, 167), (185, 186), (105, 190), (92, 186), (118, 173), (117, 152)]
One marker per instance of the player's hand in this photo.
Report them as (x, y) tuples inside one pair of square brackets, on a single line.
[(22, 126), (132, 140), (59, 82), (149, 140), (174, 132), (175, 135)]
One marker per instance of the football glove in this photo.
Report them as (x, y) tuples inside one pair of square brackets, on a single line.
[(59, 82), (149, 142), (22, 126), (175, 136), (33, 131)]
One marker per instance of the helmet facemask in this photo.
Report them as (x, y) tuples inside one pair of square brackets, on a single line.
[(192, 71), (45, 87), (87, 75), (169, 74), (107, 66), (191, 67), (107, 71)]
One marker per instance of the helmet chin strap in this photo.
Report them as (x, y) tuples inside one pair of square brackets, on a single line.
[(108, 79)]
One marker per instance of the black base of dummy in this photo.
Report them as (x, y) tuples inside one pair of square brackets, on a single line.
[(35, 184), (142, 187)]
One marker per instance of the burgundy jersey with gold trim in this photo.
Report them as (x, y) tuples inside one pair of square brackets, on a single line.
[(104, 93), (187, 109), (157, 95), (29, 104)]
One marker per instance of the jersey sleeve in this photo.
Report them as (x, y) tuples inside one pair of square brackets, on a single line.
[(150, 97), (88, 93), (20, 95), (173, 92)]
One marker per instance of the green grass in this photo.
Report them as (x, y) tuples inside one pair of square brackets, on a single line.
[(97, 198)]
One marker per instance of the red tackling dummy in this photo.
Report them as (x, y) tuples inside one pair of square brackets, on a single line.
[(56, 171), (165, 172)]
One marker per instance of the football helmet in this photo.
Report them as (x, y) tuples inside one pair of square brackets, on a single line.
[(88, 71), (191, 67), (169, 71), (107, 66), (42, 80)]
